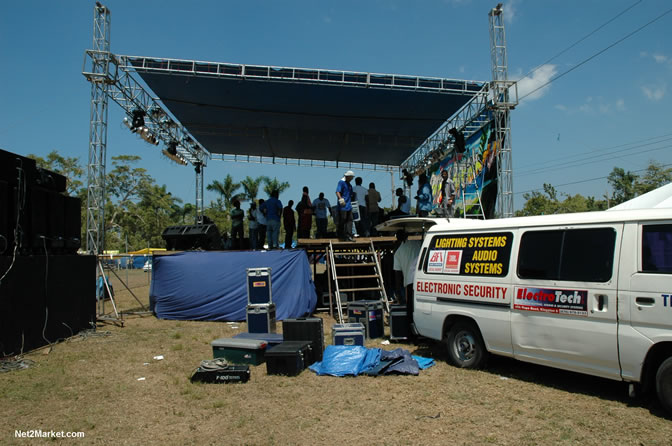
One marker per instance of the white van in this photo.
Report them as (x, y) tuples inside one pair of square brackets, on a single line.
[(588, 292)]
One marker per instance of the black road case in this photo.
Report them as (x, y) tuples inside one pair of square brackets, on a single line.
[(400, 325), (225, 374), (288, 358), (261, 318), (306, 329)]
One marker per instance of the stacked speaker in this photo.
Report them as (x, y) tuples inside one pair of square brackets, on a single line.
[(47, 291), (190, 237), (37, 217)]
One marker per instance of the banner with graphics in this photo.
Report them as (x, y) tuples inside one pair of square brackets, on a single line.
[(473, 172), (551, 300), (485, 254)]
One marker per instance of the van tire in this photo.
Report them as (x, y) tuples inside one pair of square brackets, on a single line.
[(466, 349), (664, 384)]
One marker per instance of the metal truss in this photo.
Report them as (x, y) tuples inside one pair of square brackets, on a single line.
[(126, 91), (302, 162), (469, 119), (95, 197), (502, 92), (304, 75)]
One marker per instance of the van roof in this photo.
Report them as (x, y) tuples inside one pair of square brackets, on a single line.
[(580, 218)]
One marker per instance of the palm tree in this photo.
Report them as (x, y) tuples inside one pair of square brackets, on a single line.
[(251, 186), (273, 184), (227, 190)]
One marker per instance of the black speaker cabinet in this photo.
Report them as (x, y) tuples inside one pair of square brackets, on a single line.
[(73, 224), (183, 238), (56, 226), (6, 235)]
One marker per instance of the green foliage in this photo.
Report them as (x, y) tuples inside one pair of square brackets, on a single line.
[(537, 203), (271, 184), (251, 186), (228, 191)]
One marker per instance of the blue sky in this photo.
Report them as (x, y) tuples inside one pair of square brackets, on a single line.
[(610, 111)]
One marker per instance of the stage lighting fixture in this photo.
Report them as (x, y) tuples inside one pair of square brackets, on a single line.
[(138, 119), (407, 177), (459, 140), (197, 167)]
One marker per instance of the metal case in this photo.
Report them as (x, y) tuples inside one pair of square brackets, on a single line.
[(399, 322), (259, 286), (348, 334), (370, 314), (306, 329), (261, 318)]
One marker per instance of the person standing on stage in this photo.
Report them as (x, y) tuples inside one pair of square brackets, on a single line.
[(273, 211), (403, 204), (252, 224), (372, 209), (424, 196), (360, 195), (289, 222), (344, 195), (320, 205), (261, 228), (447, 197), (305, 211), (237, 228)]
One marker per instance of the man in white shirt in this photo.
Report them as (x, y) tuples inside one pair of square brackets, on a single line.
[(360, 195)]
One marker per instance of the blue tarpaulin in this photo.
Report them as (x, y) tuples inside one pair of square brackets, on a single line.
[(212, 285), (353, 360)]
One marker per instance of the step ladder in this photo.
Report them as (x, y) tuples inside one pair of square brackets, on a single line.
[(356, 257)]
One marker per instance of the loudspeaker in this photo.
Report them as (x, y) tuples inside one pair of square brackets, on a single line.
[(49, 180), (37, 219), (56, 227), (189, 237), (73, 224), (5, 217)]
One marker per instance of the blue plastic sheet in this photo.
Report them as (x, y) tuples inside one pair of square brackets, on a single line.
[(353, 360), (212, 285)]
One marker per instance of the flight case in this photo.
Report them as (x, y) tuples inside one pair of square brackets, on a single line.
[(348, 334), (288, 358), (306, 329), (239, 351), (261, 318), (370, 314)]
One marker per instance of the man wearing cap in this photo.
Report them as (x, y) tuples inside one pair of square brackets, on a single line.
[(344, 195)]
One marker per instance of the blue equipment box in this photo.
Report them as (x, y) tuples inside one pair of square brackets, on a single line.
[(259, 286), (261, 318), (370, 314), (348, 334)]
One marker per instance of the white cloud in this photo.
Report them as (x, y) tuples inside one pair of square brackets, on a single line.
[(660, 58), (560, 107), (529, 85), (509, 9), (620, 105), (593, 106), (654, 92)]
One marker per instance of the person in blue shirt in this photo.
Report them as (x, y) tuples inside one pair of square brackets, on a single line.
[(272, 208), (424, 196), (321, 205), (344, 195)]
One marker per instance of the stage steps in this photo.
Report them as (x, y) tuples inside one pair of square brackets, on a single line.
[(344, 261)]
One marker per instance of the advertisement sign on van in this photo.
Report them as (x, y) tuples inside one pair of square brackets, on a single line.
[(548, 300)]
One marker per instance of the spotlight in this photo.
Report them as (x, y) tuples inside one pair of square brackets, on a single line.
[(138, 119), (459, 140), (408, 177)]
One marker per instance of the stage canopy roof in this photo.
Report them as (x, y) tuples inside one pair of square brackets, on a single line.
[(304, 114)]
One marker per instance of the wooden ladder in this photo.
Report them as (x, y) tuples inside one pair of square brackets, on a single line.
[(361, 256)]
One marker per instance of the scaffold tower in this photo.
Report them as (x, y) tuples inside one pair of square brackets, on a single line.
[(501, 95)]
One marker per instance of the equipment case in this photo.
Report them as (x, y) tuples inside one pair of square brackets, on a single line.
[(271, 338), (370, 314), (399, 322), (288, 358), (226, 374), (239, 351), (348, 334), (306, 329), (261, 318), (259, 286)]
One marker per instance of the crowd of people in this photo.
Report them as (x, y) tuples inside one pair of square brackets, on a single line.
[(354, 204)]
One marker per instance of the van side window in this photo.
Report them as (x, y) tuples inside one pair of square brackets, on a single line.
[(657, 249), (582, 255)]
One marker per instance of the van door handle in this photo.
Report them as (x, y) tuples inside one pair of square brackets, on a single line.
[(600, 302), (645, 301)]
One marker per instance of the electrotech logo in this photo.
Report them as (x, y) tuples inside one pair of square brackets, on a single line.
[(574, 302), (258, 284)]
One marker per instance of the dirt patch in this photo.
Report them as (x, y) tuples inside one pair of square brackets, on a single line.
[(90, 384)]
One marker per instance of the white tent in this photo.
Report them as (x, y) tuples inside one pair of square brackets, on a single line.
[(658, 198)]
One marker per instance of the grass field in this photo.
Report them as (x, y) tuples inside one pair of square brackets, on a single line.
[(90, 384)]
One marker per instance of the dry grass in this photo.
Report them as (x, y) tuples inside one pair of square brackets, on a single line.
[(91, 385)]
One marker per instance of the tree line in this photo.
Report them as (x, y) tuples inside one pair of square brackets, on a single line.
[(137, 210)]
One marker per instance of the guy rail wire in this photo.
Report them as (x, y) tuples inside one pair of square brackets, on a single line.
[(580, 40), (581, 181), (520, 99)]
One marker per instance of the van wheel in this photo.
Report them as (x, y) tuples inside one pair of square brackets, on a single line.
[(465, 346), (664, 384)]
